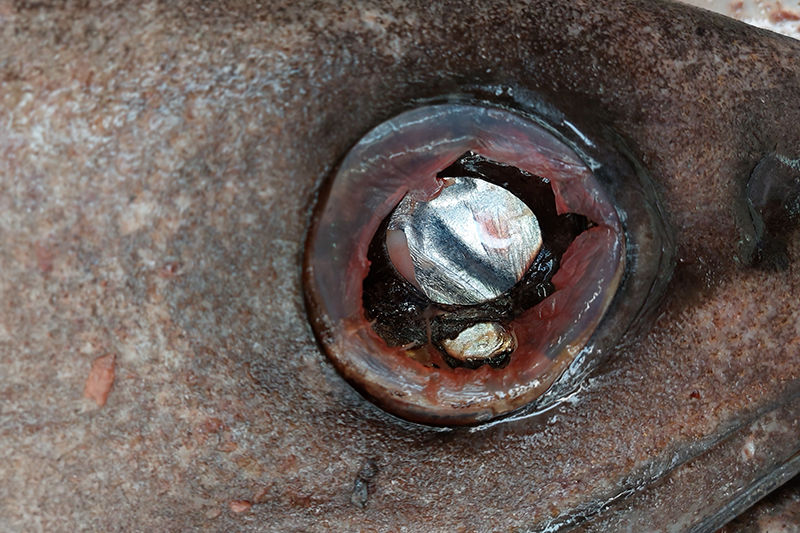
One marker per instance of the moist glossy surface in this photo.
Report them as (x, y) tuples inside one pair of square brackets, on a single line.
[(402, 157), (158, 167)]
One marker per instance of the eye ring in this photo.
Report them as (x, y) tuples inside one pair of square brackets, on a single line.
[(336, 259)]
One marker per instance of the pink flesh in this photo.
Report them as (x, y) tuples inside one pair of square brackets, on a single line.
[(566, 309), (400, 255)]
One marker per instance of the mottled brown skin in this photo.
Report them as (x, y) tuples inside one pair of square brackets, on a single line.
[(158, 165)]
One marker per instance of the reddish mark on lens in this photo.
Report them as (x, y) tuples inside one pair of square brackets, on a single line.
[(494, 232)]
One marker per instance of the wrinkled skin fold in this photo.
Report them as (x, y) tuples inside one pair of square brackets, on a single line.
[(159, 166)]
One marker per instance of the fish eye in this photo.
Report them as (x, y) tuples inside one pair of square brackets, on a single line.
[(467, 260)]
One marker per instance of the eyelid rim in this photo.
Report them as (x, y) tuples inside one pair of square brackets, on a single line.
[(650, 255), (633, 196)]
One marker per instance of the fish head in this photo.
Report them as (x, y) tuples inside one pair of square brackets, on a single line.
[(161, 164)]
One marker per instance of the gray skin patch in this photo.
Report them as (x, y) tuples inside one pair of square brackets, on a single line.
[(773, 198), (137, 137), (360, 495)]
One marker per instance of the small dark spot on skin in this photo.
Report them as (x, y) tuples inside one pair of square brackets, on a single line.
[(695, 394), (369, 470), (360, 494)]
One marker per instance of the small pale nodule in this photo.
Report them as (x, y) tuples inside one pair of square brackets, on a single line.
[(484, 343), (470, 244)]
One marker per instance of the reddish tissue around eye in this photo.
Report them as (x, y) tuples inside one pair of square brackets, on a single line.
[(372, 180)]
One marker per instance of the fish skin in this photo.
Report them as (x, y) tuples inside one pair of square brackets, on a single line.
[(159, 166)]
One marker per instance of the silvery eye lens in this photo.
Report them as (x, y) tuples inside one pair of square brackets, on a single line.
[(471, 243)]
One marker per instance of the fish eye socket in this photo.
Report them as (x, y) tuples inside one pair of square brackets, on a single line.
[(467, 260)]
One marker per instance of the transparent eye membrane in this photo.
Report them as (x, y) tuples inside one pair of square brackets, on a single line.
[(463, 258)]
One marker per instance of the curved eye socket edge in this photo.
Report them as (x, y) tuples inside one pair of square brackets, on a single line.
[(772, 196), (646, 247), (650, 256)]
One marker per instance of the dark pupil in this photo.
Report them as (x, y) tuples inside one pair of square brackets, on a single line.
[(403, 316)]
